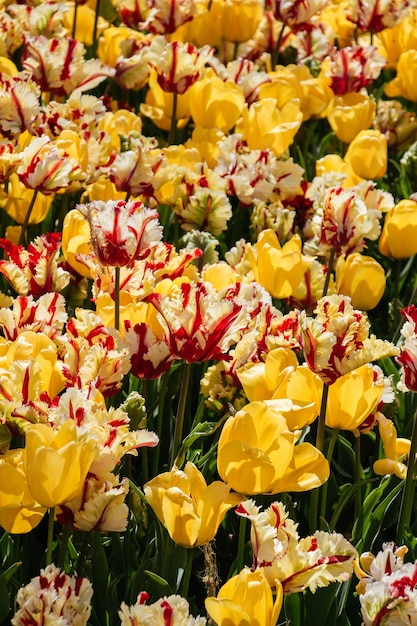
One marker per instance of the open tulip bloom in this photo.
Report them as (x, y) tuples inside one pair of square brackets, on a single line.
[(208, 313)]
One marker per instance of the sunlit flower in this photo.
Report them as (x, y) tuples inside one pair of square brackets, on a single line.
[(240, 19), (54, 597), (59, 66), (297, 564), (354, 67), (215, 103), (19, 512), (368, 154), (35, 270), (296, 14), (173, 608), (201, 324), (47, 316), (350, 113), (361, 278), (246, 599), (56, 463), (337, 340), (376, 15), (134, 170), (166, 16), (257, 454), (150, 354), (404, 84), (388, 594), (19, 103), (190, 510), (158, 105), (46, 167), (399, 234), (121, 231), (177, 65)]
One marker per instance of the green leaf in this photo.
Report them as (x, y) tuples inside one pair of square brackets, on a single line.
[(5, 604), (100, 577), (294, 609), (160, 581)]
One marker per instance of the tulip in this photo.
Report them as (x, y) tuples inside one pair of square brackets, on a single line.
[(190, 510), (76, 238), (352, 398), (158, 105), (167, 610), (17, 201), (351, 113), (84, 17), (256, 454), (246, 600), (361, 278), (368, 154), (109, 47), (405, 83), (408, 355), (264, 125), (281, 377), (56, 463), (279, 270), (19, 512), (399, 234), (240, 19), (396, 450), (215, 103)]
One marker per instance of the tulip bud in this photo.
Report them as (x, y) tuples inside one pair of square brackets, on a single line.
[(361, 278), (399, 234), (368, 154)]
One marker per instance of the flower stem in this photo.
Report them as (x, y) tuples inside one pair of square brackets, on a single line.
[(172, 130), (358, 477), (275, 54), (74, 23), (65, 535), (50, 536), (314, 501), (408, 491), (329, 272), (27, 218), (241, 544), (187, 572), (179, 422), (329, 456), (95, 27), (117, 297), (159, 418)]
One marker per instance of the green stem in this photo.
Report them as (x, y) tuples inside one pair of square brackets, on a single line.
[(408, 491), (329, 456), (179, 422), (315, 494), (117, 297), (95, 28), (173, 129), (187, 573), (50, 536), (27, 218), (275, 54), (66, 534), (329, 272), (74, 24), (358, 477), (159, 418), (241, 544)]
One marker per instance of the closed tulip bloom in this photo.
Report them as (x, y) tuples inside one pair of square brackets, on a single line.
[(408, 355), (257, 454), (266, 125), (405, 83), (351, 113), (399, 234), (215, 103), (352, 398), (158, 105), (56, 463), (279, 270), (76, 238), (361, 278), (368, 154), (246, 600), (240, 19), (190, 510)]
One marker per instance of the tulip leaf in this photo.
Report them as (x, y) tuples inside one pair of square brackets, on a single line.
[(4, 591), (294, 609), (100, 576), (203, 429), (159, 581)]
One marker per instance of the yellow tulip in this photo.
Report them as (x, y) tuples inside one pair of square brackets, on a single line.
[(85, 23), (352, 398), (405, 83), (264, 125), (399, 234), (396, 450), (190, 510), (18, 198), (158, 105), (19, 512), (335, 163), (281, 377), (56, 463), (240, 19), (215, 103), (256, 454), (351, 113), (109, 47), (206, 26), (361, 278), (76, 237), (246, 600), (30, 345), (279, 270), (368, 154)]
